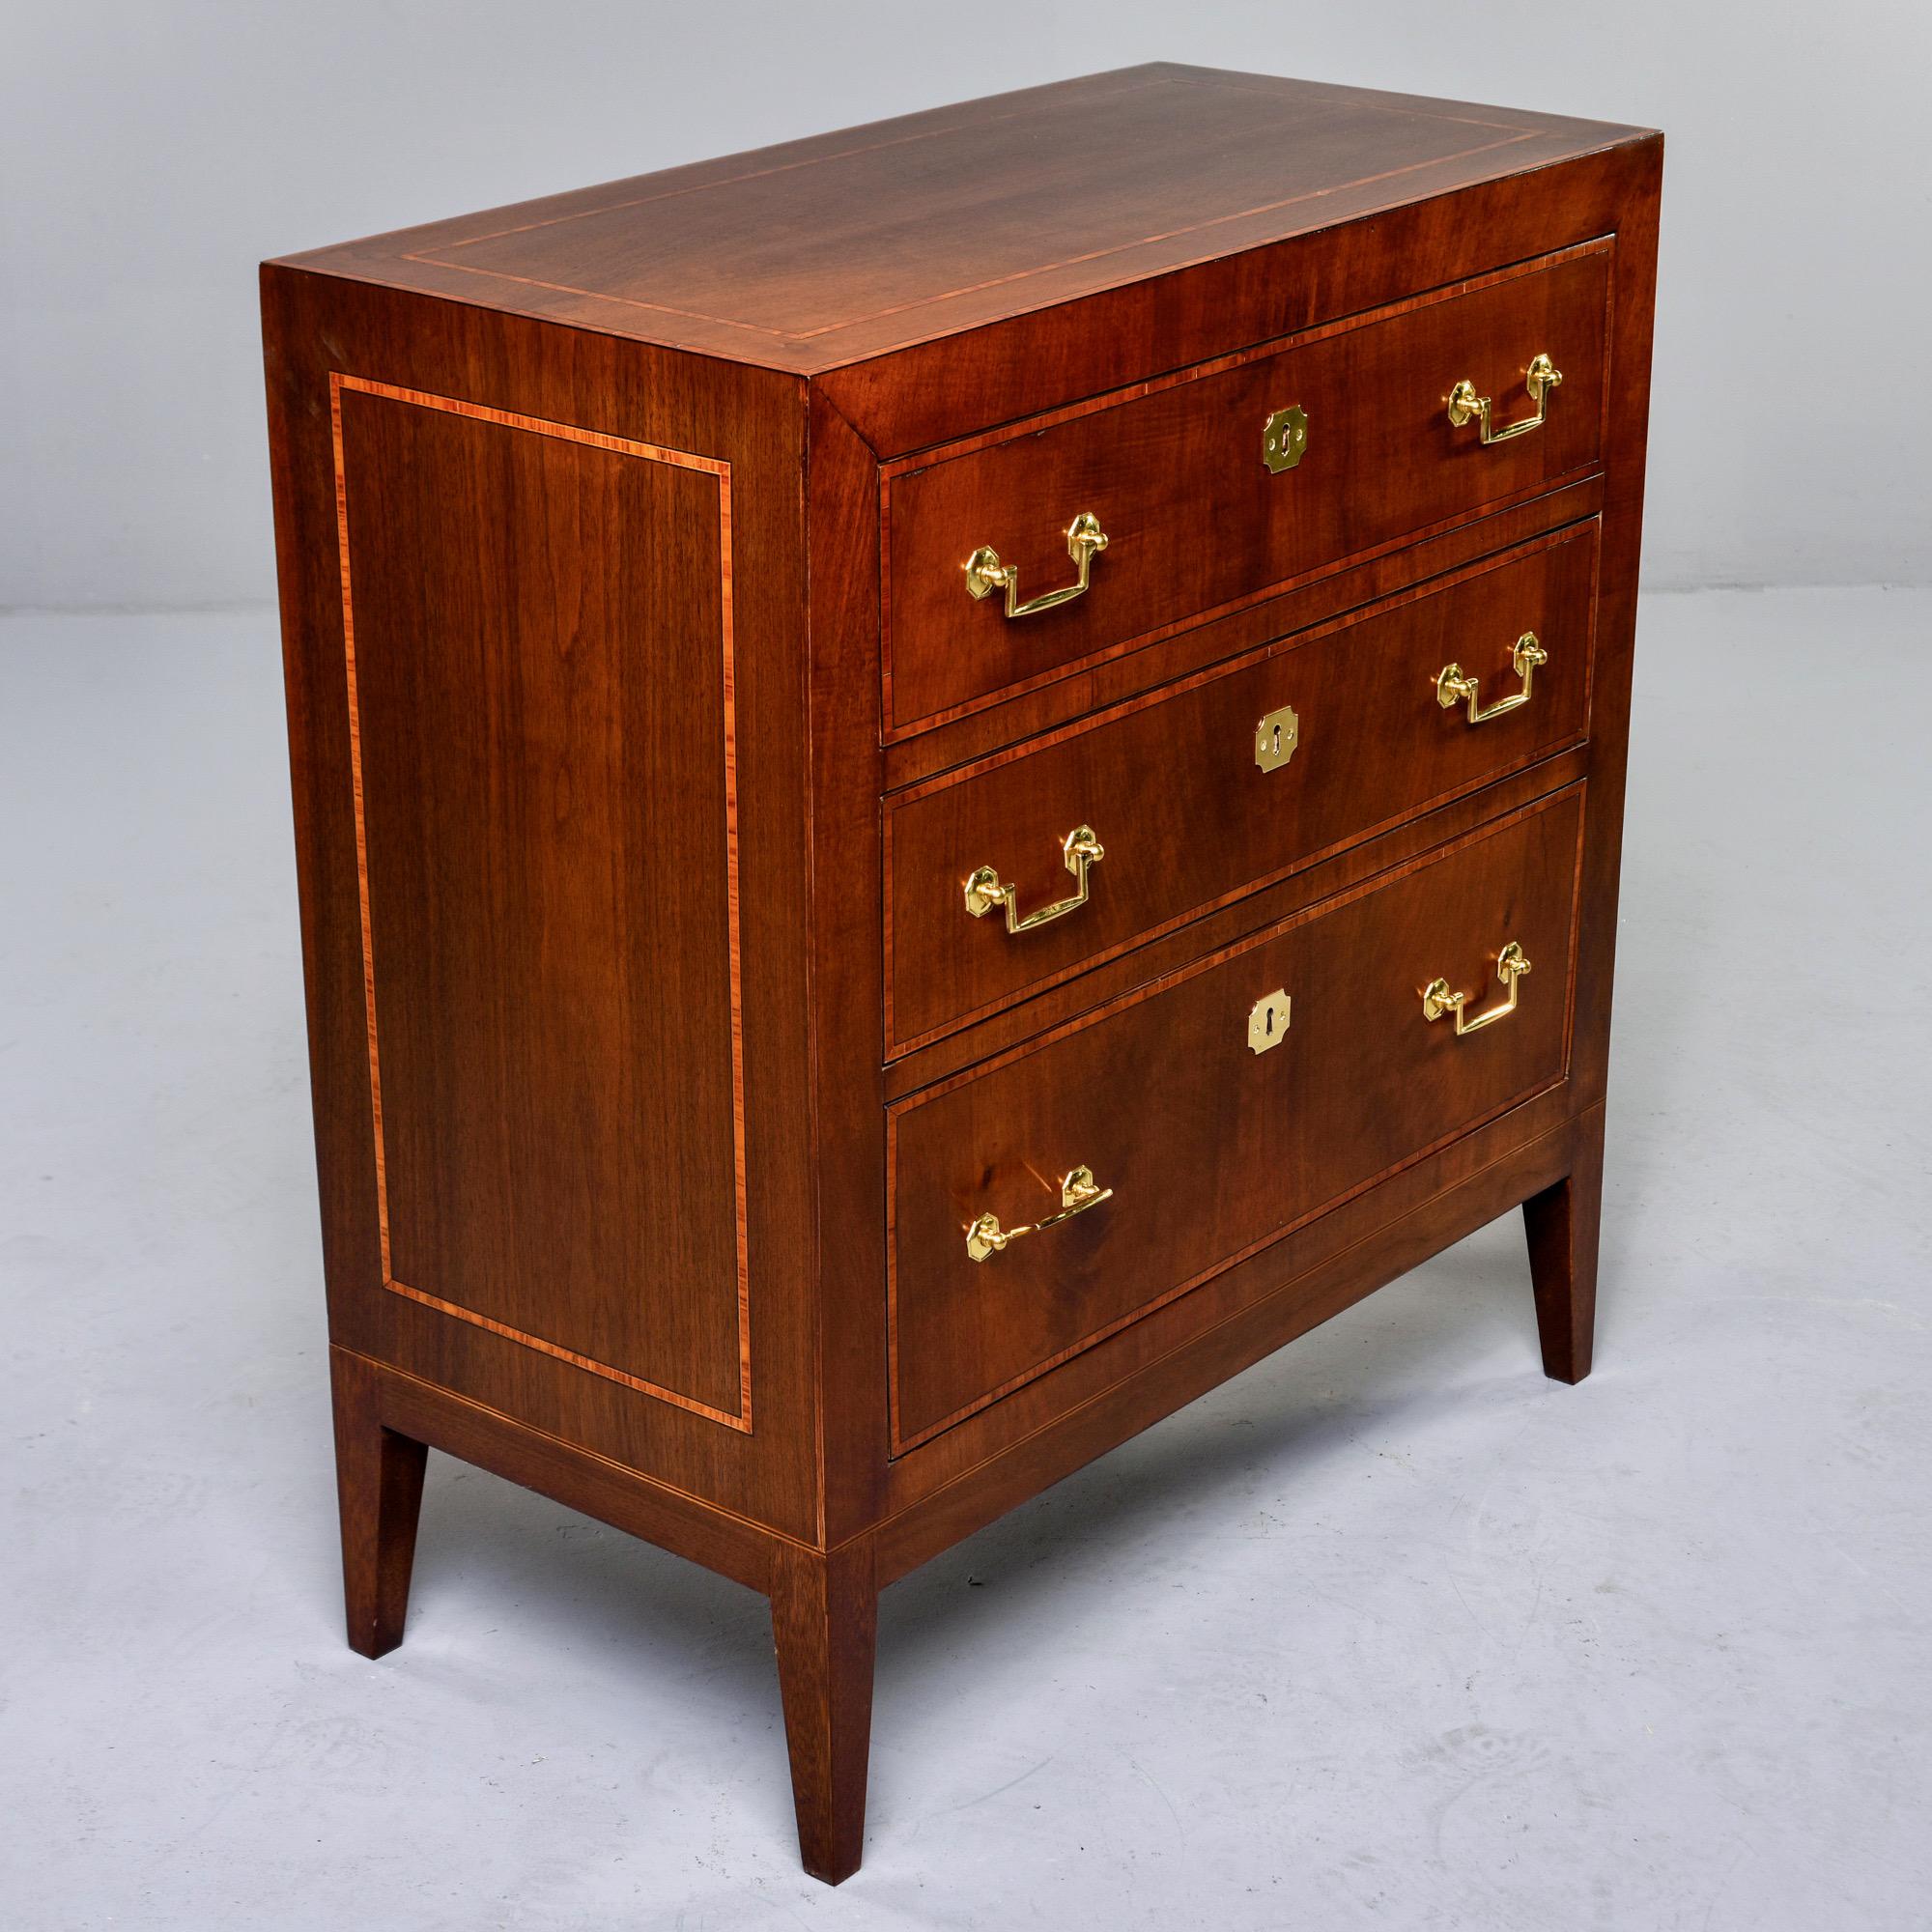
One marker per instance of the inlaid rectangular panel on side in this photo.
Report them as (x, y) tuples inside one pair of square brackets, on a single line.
[(537, 620)]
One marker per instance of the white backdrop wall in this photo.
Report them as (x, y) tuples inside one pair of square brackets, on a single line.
[(152, 152)]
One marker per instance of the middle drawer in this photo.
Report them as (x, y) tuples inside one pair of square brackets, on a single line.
[(1204, 791)]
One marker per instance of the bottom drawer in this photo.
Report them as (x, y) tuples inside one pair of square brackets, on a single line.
[(1221, 1107)]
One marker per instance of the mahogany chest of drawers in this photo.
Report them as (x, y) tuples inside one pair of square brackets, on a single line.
[(949, 781)]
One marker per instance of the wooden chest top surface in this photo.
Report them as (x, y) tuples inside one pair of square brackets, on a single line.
[(819, 252)]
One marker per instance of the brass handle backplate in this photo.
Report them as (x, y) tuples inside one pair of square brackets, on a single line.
[(1466, 406), (984, 889), (986, 573), (1438, 999), (1078, 1192), (1453, 686)]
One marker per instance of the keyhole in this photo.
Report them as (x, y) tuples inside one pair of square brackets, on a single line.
[(1267, 1021), (1277, 741)]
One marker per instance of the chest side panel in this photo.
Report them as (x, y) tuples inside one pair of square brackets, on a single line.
[(539, 668), (549, 819)]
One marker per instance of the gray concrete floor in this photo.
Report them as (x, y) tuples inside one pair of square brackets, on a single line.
[(1389, 1631)]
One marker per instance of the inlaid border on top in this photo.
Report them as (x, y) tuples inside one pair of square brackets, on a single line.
[(1503, 133), (710, 465)]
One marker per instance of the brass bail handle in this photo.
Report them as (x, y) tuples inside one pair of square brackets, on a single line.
[(1078, 1192), (986, 573), (1438, 999), (1466, 406), (1454, 685), (985, 890)]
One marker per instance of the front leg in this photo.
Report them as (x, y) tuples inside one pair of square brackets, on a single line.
[(825, 1627)]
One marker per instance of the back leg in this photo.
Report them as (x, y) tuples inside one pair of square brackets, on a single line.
[(379, 1481)]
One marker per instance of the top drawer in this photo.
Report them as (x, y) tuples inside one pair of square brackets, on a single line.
[(1175, 475)]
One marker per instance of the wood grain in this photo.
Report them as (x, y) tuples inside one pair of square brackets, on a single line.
[(1039, 362), (568, 1473), (825, 1630), (445, 644), (1196, 522), (953, 1486), (315, 327), (1188, 819), (1214, 1150), (845, 903), (629, 671), (1562, 1223), (379, 1480), (1400, 570), (819, 252)]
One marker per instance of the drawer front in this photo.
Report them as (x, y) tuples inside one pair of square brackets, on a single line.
[(1192, 803), (1212, 1149), (1174, 477)]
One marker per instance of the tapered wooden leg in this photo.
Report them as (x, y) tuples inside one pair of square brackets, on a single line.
[(1562, 1223), (379, 1480), (825, 1625)]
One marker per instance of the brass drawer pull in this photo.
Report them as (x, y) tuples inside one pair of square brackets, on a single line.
[(1466, 405), (984, 890), (986, 573), (1453, 686), (1077, 1193), (1438, 1000)]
